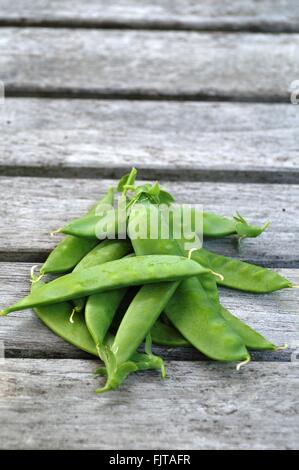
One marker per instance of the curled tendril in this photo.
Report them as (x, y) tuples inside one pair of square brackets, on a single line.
[(35, 278)]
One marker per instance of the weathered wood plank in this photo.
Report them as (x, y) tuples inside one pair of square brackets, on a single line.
[(274, 315), (171, 139), (50, 404), (32, 207), (144, 63), (188, 14)]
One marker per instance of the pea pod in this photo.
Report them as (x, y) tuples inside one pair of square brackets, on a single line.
[(252, 339), (240, 275), (108, 250), (125, 272), (140, 317), (71, 249), (217, 226), (56, 318), (189, 309), (95, 227), (199, 321), (134, 327), (99, 312)]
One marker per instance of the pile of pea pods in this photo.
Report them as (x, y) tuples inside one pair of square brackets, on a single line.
[(115, 297)]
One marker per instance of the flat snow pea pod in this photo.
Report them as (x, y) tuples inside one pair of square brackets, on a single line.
[(99, 312), (56, 318), (96, 226), (125, 272), (197, 319), (190, 310), (166, 335), (108, 250), (140, 317), (252, 339), (217, 226), (71, 249), (240, 275)]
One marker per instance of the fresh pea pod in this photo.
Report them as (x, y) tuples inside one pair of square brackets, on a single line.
[(57, 318), (96, 226), (71, 249), (99, 312), (125, 272), (252, 339), (240, 275), (141, 315), (189, 309), (198, 320), (108, 250), (217, 226)]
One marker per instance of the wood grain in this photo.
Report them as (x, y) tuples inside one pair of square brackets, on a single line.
[(267, 15), (182, 140), (149, 63), (274, 315), (33, 207), (51, 404)]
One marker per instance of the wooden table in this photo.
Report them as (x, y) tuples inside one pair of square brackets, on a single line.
[(196, 94)]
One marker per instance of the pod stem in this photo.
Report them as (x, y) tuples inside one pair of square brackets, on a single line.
[(243, 363), (217, 275), (71, 319), (55, 232), (282, 347)]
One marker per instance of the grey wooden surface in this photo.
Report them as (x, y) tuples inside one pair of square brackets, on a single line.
[(51, 202), (266, 15), (197, 95), (163, 64), (220, 405), (190, 140)]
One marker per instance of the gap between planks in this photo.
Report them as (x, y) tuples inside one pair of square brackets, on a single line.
[(222, 175), (59, 92)]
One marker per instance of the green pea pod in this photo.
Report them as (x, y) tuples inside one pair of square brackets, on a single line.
[(96, 227), (57, 318), (125, 272), (108, 250), (252, 339), (240, 275), (189, 309), (140, 317), (99, 312), (217, 226), (245, 230), (134, 327), (71, 249)]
